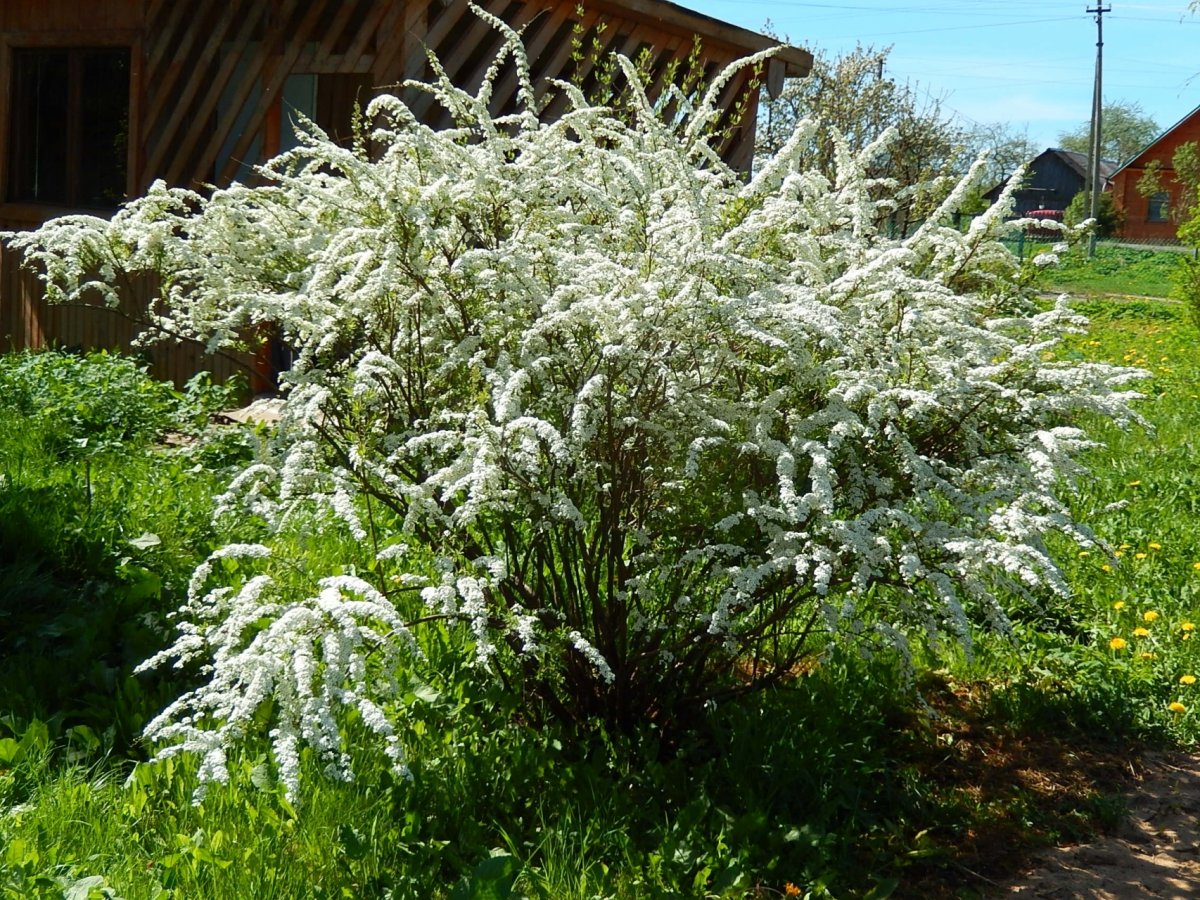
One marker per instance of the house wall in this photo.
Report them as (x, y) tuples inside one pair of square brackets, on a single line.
[(1133, 204), (207, 78), (26, 319)]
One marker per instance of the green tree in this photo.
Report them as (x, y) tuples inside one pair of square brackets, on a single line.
[(852, 95), (1126, 128), (1185, 173), (1108, 218), (1006, 149)]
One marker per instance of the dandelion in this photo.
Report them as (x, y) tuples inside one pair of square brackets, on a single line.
[(1083, 554), (1188, 626), (1196, 566), (1139, 556), (1134, 483), (1141, 632), (1119, 605), (1187, 679), (1154, 545), (1177, 707), (1124, 546), (1106, 568), (1150, 615), (1118, 643)]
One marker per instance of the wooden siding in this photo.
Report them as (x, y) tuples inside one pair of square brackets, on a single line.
[(207, 79)]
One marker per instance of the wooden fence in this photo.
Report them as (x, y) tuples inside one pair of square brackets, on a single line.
[(28, 321)]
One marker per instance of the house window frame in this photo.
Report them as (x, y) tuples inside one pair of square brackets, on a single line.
[(20, 212), (1158, 207)]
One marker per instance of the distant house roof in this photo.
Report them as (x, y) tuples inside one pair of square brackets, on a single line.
[(1081, 163), (1078, 164), (1149, 151)]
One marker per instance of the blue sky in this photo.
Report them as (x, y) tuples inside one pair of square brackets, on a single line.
[(1029, 63)]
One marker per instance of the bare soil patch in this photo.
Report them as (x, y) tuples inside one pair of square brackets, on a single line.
[(1050, 815)]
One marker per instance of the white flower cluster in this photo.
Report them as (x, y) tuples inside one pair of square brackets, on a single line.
[(647, 413), (311, 659)]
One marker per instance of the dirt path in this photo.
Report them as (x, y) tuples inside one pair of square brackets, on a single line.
[(1155, 853)]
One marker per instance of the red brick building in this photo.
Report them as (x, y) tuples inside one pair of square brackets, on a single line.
[(1152, 217)]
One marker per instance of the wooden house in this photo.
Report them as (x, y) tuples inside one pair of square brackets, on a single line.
[(1052, 180), (98, 98), (1151, 217)]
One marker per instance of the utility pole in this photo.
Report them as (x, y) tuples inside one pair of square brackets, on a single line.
[(1097, 123)]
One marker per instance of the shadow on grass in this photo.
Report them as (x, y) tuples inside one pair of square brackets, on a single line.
[(846, 784)]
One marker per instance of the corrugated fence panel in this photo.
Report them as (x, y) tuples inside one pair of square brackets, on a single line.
[(28, 321)]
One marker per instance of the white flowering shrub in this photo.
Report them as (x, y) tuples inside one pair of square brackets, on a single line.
[(646, 432)]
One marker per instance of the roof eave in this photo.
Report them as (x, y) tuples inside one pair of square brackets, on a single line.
[(797, 62)]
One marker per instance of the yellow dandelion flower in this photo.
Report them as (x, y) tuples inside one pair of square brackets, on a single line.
[(1139, 556), (1141, 632), (1188, 626), (1134, 483), (1125, 546), (1150, 615), (1118, 553), (1118, 644), (1083, 554), (1154, 545), (1120, 604), (1177, 707), (1187, 679), (1106, 568), (1196, 566)]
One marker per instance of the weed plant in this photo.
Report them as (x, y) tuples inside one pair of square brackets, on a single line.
[(99, 527)]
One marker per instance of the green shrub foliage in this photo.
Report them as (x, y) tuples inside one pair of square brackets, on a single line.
[(638, 429)]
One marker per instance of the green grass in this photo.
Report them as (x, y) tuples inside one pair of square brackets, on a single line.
[(841, 783), (1114, 270)]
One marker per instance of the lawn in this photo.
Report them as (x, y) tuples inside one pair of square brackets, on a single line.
[(1115, 269), (851, 780)]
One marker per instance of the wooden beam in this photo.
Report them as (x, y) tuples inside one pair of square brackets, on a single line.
[(182, 63), (776, 69), (135, 150), (274, 76), (179, 170)]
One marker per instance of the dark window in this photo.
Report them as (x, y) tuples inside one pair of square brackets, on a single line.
[(69, 130), (1159, 207)]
